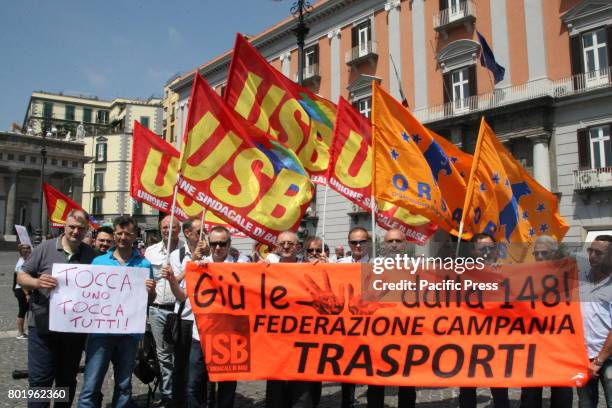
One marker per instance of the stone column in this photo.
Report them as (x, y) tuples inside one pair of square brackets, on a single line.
[(11, 200), (541, 160), (395, 50)]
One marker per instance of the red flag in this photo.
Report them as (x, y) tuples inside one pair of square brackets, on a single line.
[(292, 114), (59, 205), (251, 181)]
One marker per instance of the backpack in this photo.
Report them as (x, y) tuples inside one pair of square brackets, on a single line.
[(147, 366)]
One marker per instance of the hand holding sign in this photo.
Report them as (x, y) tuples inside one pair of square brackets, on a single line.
[(46, 281), (324, 300)]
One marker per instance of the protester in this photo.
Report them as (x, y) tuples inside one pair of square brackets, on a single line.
[(220, 241), (394, 244), (22, 298), (163, 304), (546, 248), (313, 251), (104, 240), (339, 252), (359, 243), (88, 240), (192, 251), (596, 302), (290, 394), (120, 349), (483, 246), (53, 357)]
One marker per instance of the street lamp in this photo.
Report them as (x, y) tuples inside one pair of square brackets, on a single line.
[(43, 158), (299, 9)]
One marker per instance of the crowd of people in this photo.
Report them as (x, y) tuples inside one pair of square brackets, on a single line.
[(54, 357)]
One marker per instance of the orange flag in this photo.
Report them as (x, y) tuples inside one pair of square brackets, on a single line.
[(59, 205), (413, 168), (250, 180), (154, 166), (292, 114), (504, 200), (350, 174)]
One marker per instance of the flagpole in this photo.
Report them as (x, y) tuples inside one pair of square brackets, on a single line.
[(202, 225), (324, 217), (470, 187), (373, 203), (373, 225), (171, 221)]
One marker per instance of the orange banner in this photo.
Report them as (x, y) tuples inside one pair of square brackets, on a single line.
[(248, 179), (154, 167), (293, 114), (59, 205), (508, 326), (350, 174)]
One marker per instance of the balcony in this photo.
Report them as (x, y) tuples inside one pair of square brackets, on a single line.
[(573, 85), (593, 179), (363, 52), (450, 18), (311, 75)]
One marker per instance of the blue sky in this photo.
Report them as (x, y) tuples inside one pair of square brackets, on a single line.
[(115, 48)]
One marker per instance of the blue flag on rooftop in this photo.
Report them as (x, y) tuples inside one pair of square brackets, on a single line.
[(487, 59)]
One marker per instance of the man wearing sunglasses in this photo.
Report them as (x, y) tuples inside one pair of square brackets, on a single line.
[(596, 303), (219, 242), (314, 250)]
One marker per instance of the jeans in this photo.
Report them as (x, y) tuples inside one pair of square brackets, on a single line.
[(101, 350), (588, 396), (406, 397), (467, 397), (157, 320), (54, 358), (291, 394), (197, 379), (180, 371), (560, 397)]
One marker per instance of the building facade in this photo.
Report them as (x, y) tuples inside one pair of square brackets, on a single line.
[(106, 185), (104, 130), (20, 170), (551, 109)]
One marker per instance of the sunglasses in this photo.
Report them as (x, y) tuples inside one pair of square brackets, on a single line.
[(220, 244), (362, 242), (541, 253), (315, 250)]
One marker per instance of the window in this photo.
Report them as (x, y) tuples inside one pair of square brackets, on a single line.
[(455, 9), (172, 140), (69, 112), (48, 109), (64, 163), (11, 156), (595, 55), (99, 181), (97, 205), (75, 164), (144, 121), (22, 157), (54, 162), (459, 86), (101, 152), (364, 106), (32, 159), (102, 117), (594, 147), (311, 61), (136, 208), (87, 115), (363, 35)]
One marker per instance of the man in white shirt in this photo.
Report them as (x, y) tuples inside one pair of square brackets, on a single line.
[(219, 241), (164, 303), (192, 251)]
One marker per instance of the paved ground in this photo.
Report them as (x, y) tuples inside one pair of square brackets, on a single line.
[(13, 355)]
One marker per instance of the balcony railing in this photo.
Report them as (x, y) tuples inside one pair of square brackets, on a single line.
[(311, 73), (600, 178), (466, 13), (362, 52), (572, 85)]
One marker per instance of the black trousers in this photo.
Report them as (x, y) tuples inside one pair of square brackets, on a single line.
[(560, 397), (198, 377), (54, 358), (180, 370), (467, 397), (406, 397), (292, 394)]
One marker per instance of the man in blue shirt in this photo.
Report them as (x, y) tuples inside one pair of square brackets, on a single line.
[(120, 349)]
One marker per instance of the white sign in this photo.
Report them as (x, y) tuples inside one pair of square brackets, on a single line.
[(98, 299), (22, 233)]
